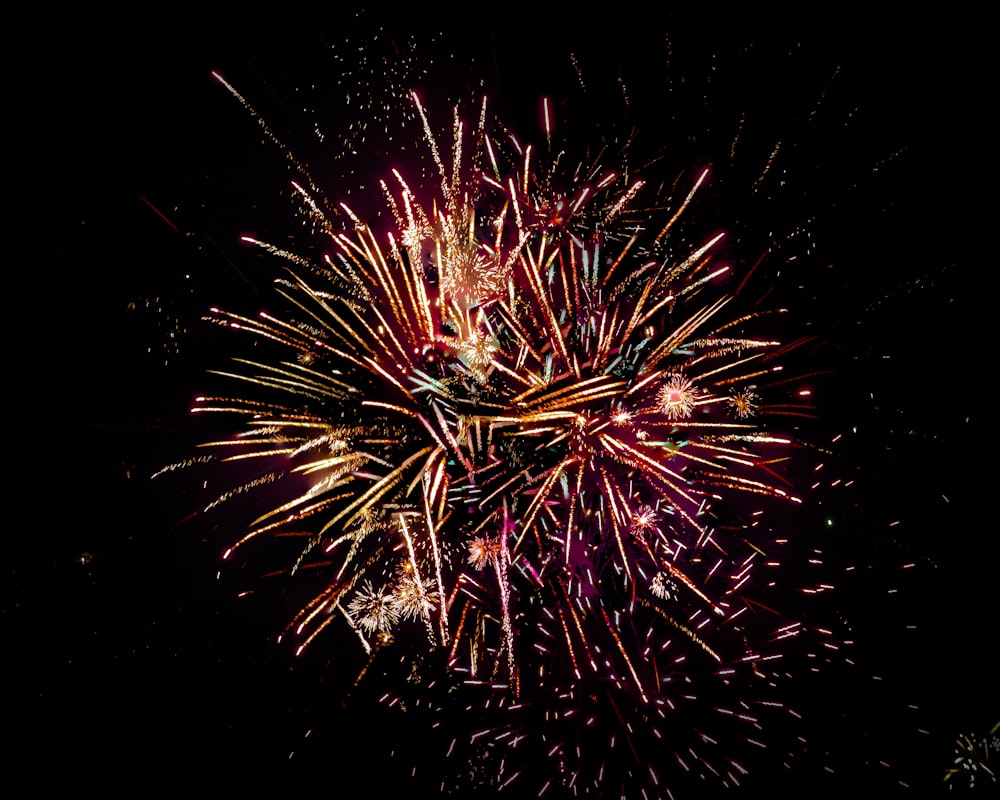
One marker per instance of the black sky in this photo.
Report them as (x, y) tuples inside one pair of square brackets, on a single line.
[(132, 663)]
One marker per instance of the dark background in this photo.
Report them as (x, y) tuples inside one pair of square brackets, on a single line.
[(131, 177)]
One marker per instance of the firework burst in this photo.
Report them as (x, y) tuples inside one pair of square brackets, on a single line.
[(972, 761), (523, 420)]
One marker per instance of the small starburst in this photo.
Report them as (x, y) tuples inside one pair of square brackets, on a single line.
[(477, 350), (676, 398), (410, 598), (744, 403), (622, 417), (373, 610), (644, 518), (663, 587), (483, 551)]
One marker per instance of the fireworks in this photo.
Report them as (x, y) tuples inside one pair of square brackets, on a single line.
[(677, 398), (973, 754), (373, 611), (528, 434)]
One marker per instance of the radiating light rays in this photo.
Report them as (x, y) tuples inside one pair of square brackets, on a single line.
[(513, 420), (677, 398), (373, 610)]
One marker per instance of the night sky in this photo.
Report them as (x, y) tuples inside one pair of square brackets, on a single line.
[(133, 666)]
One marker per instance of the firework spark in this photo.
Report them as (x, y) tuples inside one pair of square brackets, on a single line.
[(521, 419), (972, 761)]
